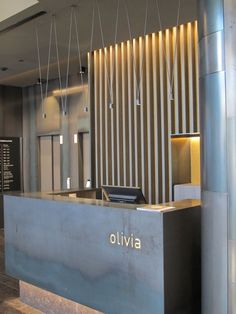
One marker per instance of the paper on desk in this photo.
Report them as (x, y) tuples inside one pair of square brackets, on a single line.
[(153, 208)]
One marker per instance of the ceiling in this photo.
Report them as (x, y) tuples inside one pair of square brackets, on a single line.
[(18, 49)]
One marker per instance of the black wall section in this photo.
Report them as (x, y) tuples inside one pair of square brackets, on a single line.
[(10, 168), (10, 111), (10, 122)]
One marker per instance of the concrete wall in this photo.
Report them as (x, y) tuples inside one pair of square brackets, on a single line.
[(34, 125)]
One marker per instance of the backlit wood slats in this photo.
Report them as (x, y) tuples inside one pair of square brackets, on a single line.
[(132, 142)]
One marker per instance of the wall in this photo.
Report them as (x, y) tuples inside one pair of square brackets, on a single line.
[(186, 160), (55, 124), (132, 143), (10, 111), (181, 160), (10, 119)]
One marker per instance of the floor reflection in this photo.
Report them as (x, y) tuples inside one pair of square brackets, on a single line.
[(9, 290)]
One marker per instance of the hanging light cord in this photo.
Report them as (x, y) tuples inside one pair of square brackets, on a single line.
[(40, 70), (58, 60), (92, 28), (175, 49), (143, 48), (115, 40), (68, 63), (49, 57), (138, 83), (110, 87), (131, 42), (78, 48), (169, 72), (91, 38)]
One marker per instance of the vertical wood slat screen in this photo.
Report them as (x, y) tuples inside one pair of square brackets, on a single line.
[(132, 143)]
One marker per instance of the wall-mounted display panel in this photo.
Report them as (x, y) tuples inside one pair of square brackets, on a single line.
[(10, 168), (10, 164)]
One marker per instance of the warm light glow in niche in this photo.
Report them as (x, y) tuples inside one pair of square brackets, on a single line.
[(188, 153), (195, 160)]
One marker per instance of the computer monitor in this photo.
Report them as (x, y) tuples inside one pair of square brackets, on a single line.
[(118, 194)]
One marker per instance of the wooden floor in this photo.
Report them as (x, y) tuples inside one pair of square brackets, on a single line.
[(9, 289)]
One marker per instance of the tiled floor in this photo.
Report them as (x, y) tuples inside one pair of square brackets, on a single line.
[(9, 290)]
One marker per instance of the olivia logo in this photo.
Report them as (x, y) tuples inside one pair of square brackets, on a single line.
[(129, 241)]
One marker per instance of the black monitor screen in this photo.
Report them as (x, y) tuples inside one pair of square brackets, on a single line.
[(131, 195)]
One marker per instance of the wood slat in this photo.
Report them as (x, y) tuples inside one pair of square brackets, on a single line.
[(137, 127), (142, 108), (101, 116), (190, 75), (168, 118), (112, 122), (131, 115), (155, 115), (150, 119), (196, 85), (183, 78), (118, 117), (162, 70), (106, 109), (125, 137), (177, 104), (97, 115)]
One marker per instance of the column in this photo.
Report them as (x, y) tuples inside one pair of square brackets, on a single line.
[(217, 29)]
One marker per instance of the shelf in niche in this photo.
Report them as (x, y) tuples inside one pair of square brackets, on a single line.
[(181, 135)]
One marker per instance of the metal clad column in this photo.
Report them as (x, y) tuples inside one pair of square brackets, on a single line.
[(230, 65), (213, 169)]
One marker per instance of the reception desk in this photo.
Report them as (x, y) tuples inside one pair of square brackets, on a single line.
[(110, 257)]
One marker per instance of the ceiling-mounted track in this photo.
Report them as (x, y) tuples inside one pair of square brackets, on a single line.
[(22, 22)]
